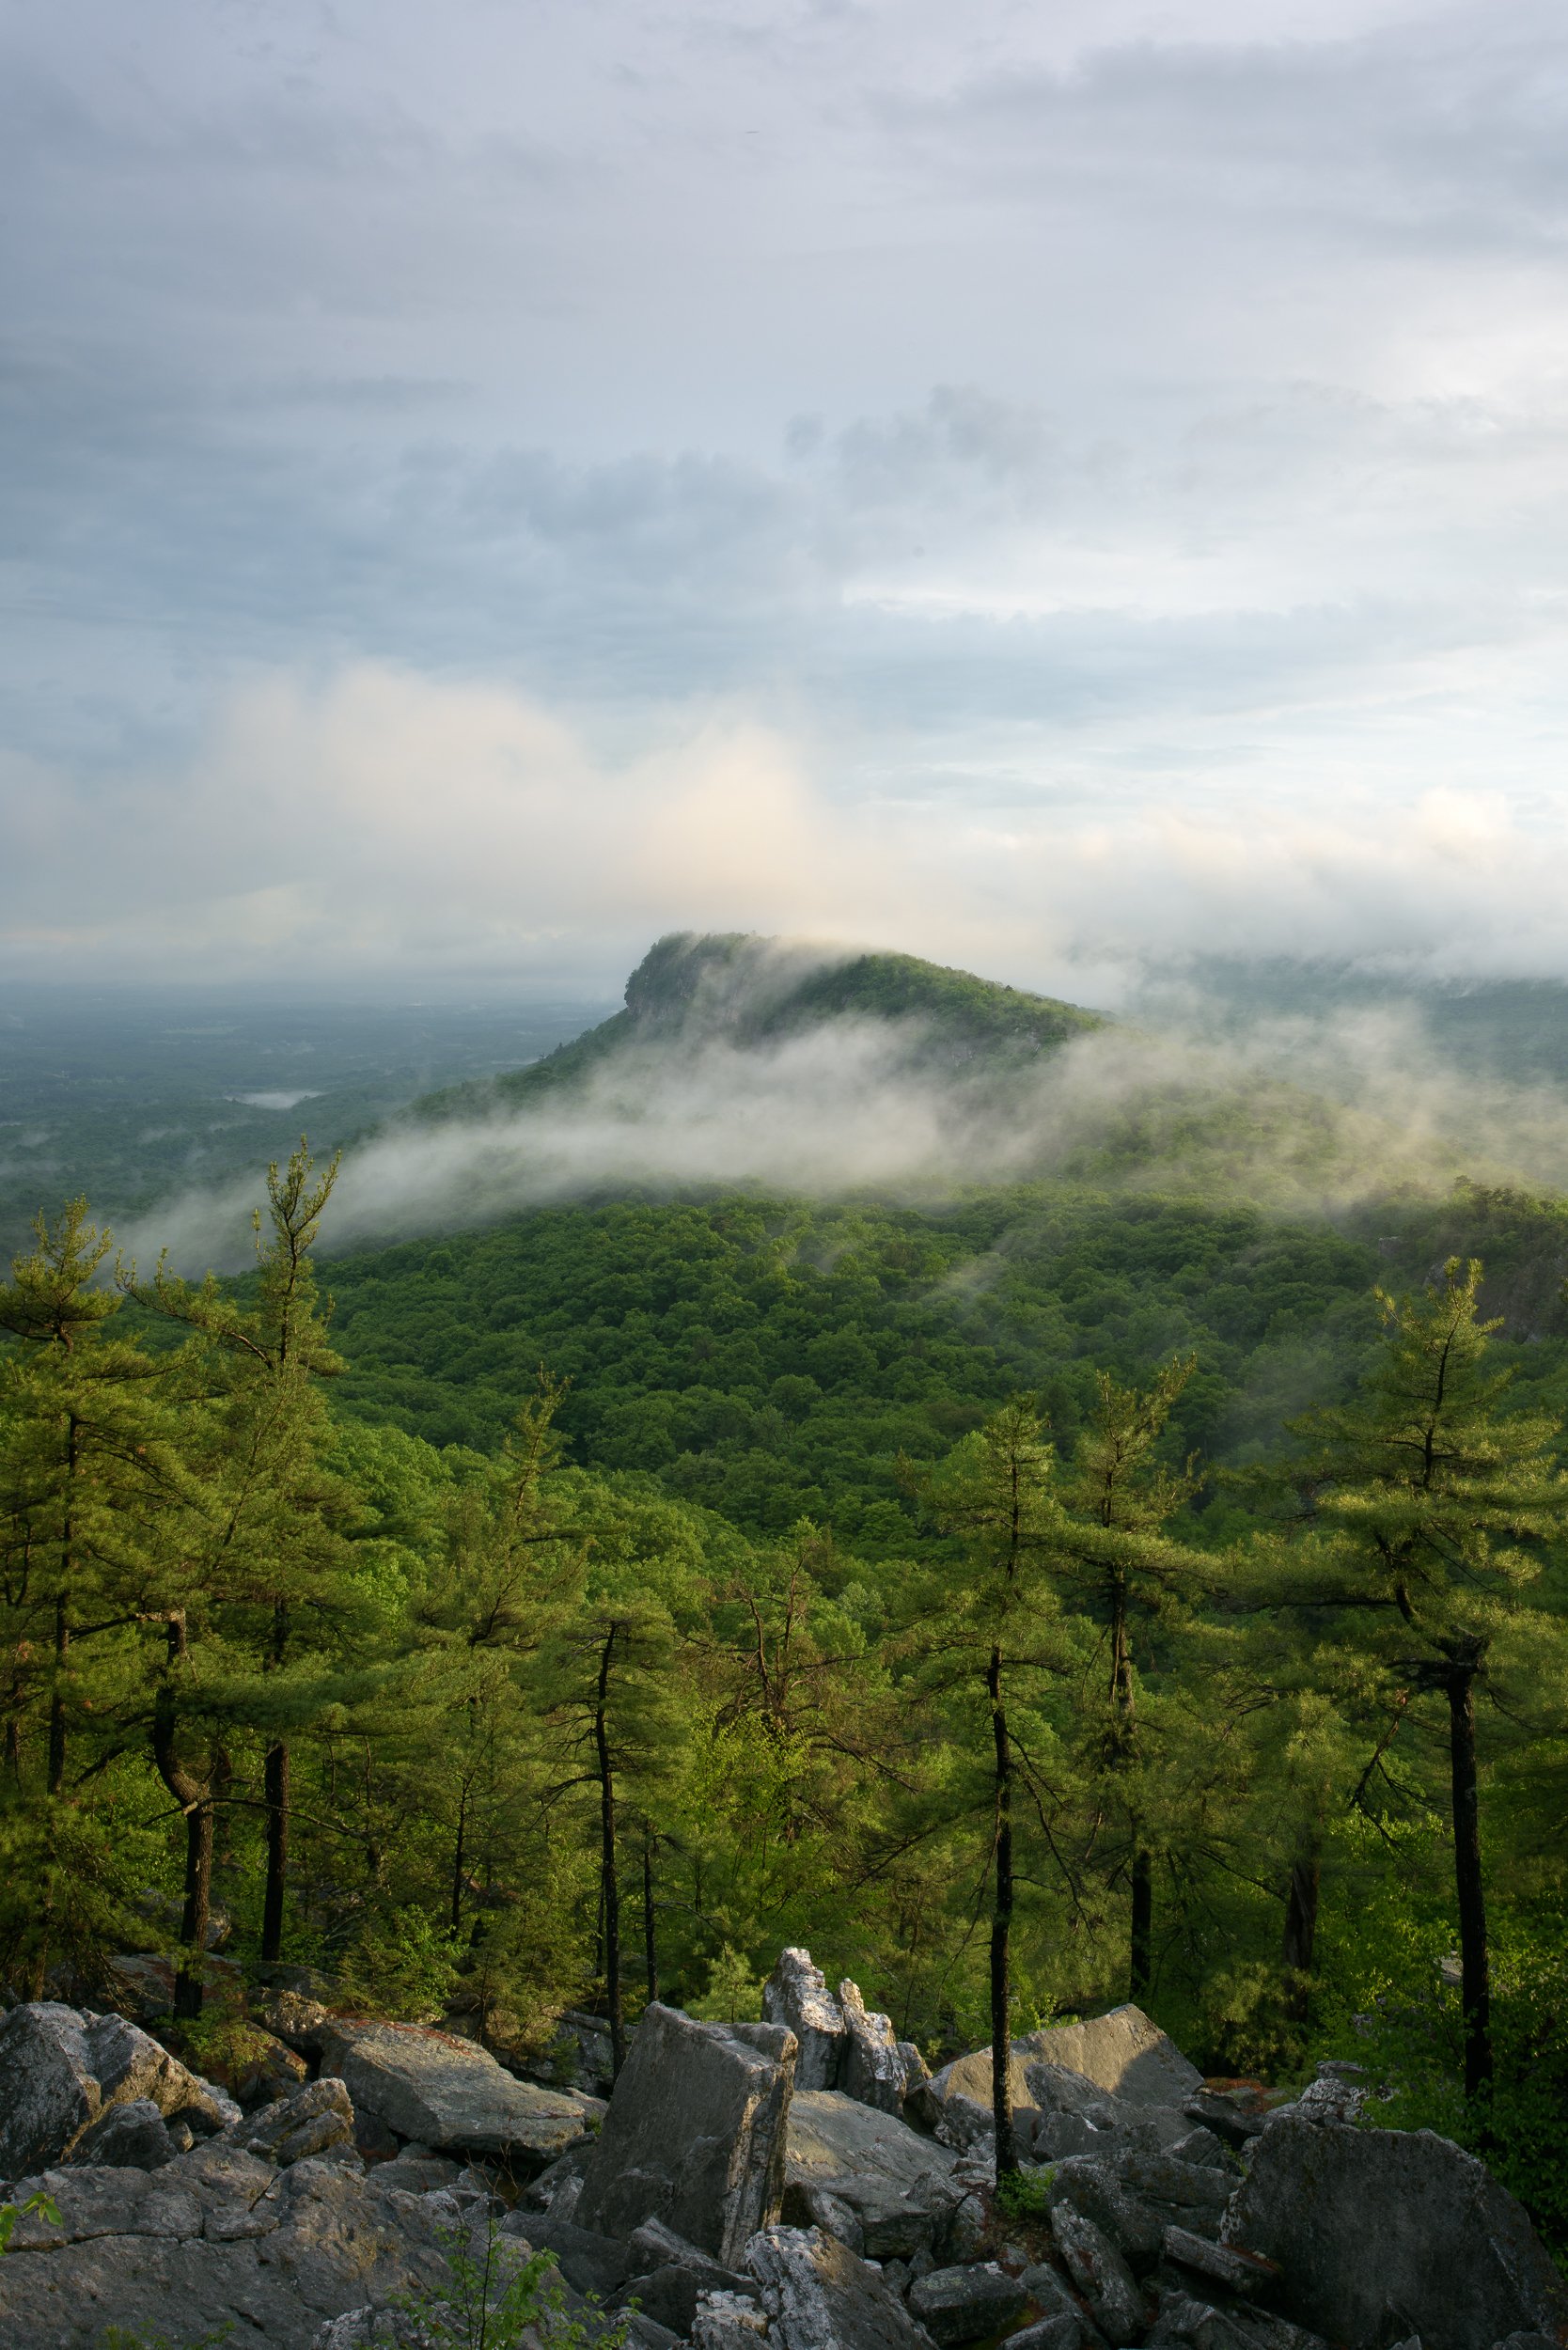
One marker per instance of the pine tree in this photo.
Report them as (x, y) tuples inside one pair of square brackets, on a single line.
[(280, 1557), (985, 1637), (1438, 1505), (1112, 1551)]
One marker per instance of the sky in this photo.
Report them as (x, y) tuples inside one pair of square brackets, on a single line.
[(1055, 486)]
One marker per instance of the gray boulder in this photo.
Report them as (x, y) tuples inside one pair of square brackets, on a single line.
[(293, 2016), (967, 2304), (1094, 2188), (216, 2238), (674, 2281), (448, 2093), (1062, 2332), (819, 2296), (898, 2186), (1219, 2264), (695, 2134), (590, 2263), (1122, 2052), (876, 2066), (1073, 2086), (1392, 2228), (417, 2170), (796, 1996), (1100, 2273), (728, 2321), (60, 2068), (309, 2123), (133, 2137)]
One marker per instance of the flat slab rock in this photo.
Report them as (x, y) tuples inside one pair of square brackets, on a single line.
[(217, 2238), (450, 2095), (900, 2186), (1386, 2234)]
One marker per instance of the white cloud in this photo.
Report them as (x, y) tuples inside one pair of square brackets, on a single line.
[(380, 821)]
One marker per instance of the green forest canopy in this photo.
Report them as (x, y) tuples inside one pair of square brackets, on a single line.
[(346, 1612)]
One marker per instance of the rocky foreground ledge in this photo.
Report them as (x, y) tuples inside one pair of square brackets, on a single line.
[(800, 2183)]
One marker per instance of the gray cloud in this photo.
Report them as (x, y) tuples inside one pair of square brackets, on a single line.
[(1051, 418)]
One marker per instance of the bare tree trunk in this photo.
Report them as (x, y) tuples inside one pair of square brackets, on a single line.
[(458, 1859), (275, 1774), (1001, 1931), (62, 1620), (1141, 1968), (1299, 1942), (649, 1932), (194, 1797), (57, 1699), (609, 1882), (276, 1789), (1475, 1971)]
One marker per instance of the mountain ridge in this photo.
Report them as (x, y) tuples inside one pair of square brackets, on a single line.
[(750, 990)]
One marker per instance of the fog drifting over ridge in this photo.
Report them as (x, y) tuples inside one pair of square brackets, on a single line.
[(861, 1106)]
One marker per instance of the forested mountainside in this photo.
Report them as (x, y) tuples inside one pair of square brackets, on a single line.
[(603, 1599)]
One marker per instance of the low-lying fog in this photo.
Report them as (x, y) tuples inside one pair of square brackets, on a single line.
[(1302, 1112)]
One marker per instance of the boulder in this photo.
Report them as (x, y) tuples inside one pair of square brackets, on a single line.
[(263, 2069), (590, 2263), (1062, 2332), (448, 2093), (695, 2134), (876, 2066), (1058, 2108), (898, 2185), (216, 2240), (1379, 2230), (1093, 2189), (967, 2304), (797, 1994), (133, 2137), (1219, 2264), (417, 2170), (1100, 2273), (293, 2016), (61, 2067), (1121, 2052), (293, 2128), (728, 2321), (819, 2296)]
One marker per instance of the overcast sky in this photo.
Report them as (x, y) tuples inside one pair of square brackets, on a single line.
[(1045, 483)]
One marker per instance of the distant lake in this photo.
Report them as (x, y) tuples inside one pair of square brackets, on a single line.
[(275, 1101)]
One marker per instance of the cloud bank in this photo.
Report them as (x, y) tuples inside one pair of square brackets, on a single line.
[(1072, 477), (412, 829)]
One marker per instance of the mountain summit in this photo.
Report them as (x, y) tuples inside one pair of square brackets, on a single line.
[(691, 988)]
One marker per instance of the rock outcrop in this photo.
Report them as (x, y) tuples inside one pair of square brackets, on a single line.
[(62, 2067), (724, 2208), (843, 2044), (694, 2133), (215, 2238), (1381, 2234)]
